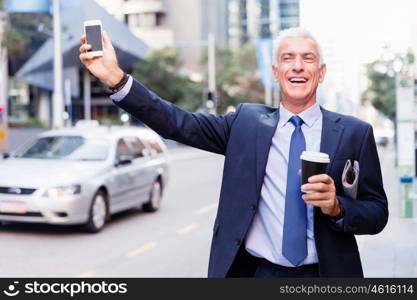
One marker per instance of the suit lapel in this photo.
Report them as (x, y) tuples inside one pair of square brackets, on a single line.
[(265, 130), (331, 135)]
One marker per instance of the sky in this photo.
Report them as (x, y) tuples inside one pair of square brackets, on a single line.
[(353, 33), (365, 26)]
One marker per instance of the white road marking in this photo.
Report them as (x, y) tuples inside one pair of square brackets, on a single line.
[(142, 249), (88, 274), (207, 208), (187, 229)]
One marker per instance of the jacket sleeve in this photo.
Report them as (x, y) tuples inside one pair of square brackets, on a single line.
[(201, 130), (368, 214)]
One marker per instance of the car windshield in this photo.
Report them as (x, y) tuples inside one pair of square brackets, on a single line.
[(67, 148)]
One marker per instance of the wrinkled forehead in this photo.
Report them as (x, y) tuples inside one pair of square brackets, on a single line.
[(297, 45)]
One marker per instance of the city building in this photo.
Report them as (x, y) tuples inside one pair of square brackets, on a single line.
[(183, 24), (31, 92), (249, 20)]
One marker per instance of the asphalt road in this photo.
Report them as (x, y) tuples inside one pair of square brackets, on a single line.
[(173, 242)]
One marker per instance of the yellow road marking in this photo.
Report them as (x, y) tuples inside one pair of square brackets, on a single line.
[(142, 249), (85, 274), (187, 229)]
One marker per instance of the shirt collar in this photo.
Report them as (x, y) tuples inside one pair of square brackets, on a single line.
[(309, 116)]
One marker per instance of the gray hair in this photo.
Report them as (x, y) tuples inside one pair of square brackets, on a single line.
[(296, 32)]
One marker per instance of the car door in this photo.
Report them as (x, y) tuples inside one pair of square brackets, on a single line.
[(123, 187), (143, 175)]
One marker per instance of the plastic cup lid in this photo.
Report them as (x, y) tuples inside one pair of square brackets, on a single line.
[(319, 157)]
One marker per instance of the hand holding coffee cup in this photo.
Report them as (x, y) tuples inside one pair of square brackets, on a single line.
[(318, 186)]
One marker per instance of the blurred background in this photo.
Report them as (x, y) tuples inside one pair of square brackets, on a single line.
[(205, 56)]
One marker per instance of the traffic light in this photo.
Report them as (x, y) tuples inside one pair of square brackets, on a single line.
[(210, 95), (1, 113), (211, 99)]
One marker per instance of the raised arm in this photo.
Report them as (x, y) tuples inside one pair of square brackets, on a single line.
[(204, 131)]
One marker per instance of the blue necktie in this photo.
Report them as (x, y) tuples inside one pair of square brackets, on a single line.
[(294, 240)]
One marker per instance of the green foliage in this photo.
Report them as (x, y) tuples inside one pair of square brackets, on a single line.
[(21, 33), (381, 76), (236, 76), (161, 73), (15, 41), (29, 123), (109, 120)]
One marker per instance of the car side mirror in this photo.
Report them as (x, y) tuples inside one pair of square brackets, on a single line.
[(124, 160)]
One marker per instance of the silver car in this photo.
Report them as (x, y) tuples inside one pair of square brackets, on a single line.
[(83, 175)]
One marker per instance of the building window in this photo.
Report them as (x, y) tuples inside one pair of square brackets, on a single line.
[(160, 19), (146, 20)]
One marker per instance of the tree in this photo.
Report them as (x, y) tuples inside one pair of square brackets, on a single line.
[(236, 76), (381, 76), (21, 36), (161, 73)]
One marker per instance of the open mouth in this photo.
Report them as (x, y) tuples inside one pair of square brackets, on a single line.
[(298, 80)]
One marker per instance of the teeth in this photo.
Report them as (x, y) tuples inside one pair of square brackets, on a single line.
[(298, 80)]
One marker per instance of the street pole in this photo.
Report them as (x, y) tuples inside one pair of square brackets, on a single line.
[(211, 62), (212, 67), (87, 95), (268, 80), (404, 97), (275, 27), (211, 48), (3, 89), (58, 94), (68, 119)]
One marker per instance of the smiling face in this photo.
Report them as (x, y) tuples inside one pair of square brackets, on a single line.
[(298, 71)]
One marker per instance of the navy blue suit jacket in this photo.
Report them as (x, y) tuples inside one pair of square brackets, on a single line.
[(245, 137)]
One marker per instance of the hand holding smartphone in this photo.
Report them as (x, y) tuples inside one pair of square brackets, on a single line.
[(92, 30), (99, 57)]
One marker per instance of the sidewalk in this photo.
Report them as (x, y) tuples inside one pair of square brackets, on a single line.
[(393, 252)]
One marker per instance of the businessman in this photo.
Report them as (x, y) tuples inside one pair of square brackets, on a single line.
[(266, 226)]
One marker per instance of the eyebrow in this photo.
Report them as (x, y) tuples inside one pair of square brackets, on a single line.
[(303, 54), (310, 53)]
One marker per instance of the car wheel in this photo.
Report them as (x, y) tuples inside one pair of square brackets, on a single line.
[(98, 213), (155, 197)]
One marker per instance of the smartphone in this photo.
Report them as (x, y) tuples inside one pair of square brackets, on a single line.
[(92, 30)]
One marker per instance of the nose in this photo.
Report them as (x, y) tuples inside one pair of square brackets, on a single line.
[(298, 65)]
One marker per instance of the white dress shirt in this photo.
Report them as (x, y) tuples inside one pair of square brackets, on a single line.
[(264, 238)]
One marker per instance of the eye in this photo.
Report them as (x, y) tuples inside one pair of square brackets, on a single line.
[(309, 58), (286, 58)]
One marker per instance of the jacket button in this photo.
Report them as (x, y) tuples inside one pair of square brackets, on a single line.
[(237, 242), (253, 207)]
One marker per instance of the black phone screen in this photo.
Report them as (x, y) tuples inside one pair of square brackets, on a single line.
[(93, 35)]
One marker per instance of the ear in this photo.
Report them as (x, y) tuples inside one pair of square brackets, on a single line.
[(322, 72)]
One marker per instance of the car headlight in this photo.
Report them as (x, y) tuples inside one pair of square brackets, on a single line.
[(61, 191)]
